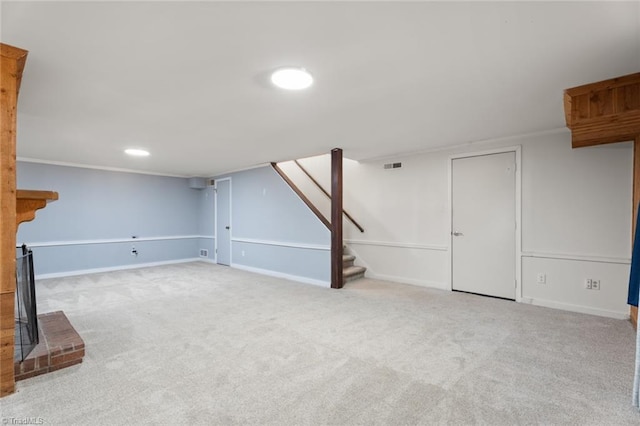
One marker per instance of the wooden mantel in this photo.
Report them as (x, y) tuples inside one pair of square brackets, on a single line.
[(607, 112), (27, 202)]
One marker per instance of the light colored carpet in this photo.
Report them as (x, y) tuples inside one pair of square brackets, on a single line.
[(204, 344)]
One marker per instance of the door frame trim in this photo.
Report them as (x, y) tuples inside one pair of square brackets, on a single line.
[(215, 221), (517, 149)]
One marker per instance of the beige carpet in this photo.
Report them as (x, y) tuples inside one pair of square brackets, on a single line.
[(204, 344)]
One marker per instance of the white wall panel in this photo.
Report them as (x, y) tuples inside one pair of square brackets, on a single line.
[(576, 203)]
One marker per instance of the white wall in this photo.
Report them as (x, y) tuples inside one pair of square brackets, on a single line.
[(576, 219)]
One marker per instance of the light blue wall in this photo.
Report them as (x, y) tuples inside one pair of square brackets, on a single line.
[(206, 220), (264, 207), (105, 205), (266, 211), (206, 211), (96, 205), (83, 257), (312, 264)]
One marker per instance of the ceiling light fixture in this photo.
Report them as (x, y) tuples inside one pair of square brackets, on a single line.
[(137, 152), (292, 78)]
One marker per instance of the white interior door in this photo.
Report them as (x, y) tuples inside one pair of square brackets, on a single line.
[(223, 222), (483, 236)]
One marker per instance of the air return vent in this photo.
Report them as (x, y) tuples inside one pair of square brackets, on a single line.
[(393, 165), (204, 253), (197, 183)]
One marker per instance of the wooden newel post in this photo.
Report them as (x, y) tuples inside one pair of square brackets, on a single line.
[(12, 62), (337, 279)]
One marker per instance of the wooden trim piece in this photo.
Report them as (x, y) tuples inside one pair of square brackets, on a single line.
[(28, 194), (567, 108), (304, 199), (12, 61), (583, 143), (603, 112), (337, 248), (27, 202), (8, 52), (324, 191), (620, 127), (603, 85)]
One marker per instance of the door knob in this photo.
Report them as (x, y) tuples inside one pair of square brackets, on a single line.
[(457, 234), (226, 227)]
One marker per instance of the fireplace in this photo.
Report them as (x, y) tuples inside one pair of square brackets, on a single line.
[(43, 343), (26, 334)]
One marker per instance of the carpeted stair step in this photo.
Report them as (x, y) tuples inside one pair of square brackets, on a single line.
[(347, 260), (352, 273)]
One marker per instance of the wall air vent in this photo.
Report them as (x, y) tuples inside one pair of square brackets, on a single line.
[(197, 183), (204, 253), (393, 165)]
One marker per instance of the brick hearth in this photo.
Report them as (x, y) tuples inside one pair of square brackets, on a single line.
[(60, 347)]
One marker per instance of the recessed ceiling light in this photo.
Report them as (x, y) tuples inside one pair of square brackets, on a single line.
[(292, 78), (136, 152)]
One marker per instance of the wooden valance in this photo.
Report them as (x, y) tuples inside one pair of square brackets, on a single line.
[(604, 112)]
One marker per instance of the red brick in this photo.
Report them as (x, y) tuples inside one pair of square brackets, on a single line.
[(32, 374), (28, 364), (61, 359), (60, 347), (65, 365), (42, 361)]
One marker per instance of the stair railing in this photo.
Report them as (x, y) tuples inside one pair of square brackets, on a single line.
[(337, 212), (324, 191), (303, 197)]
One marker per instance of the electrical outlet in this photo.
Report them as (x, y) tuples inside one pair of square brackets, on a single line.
[(242, 253), (595, 284), (588, 283), (542, 278)]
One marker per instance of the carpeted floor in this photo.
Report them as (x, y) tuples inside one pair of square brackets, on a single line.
[(204, 344)]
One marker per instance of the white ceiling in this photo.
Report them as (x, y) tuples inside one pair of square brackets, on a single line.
[(189, 80)]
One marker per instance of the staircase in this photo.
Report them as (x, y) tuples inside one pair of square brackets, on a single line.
[(350, 271)]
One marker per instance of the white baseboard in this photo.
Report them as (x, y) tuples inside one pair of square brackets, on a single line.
[(576, 308), (112, 268), (204, 259), (411, 281), (276, 274)]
